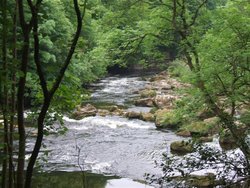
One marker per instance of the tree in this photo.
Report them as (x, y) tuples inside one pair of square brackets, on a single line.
[(213, 38), (7, 85), (29, 19), (48, 93)]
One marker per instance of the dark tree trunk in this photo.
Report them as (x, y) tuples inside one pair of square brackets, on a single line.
[(39, 139), (20, 113), (13, 102), (20, 95), (48, 94), (5, 94)]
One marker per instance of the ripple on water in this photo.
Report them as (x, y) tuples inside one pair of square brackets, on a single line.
[(113, 145)]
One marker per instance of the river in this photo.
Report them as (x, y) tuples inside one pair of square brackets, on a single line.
[(114, 151)]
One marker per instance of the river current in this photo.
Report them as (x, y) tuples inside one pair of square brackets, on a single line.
[(111, 145)]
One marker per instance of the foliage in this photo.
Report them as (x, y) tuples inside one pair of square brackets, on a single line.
[(229, 168)]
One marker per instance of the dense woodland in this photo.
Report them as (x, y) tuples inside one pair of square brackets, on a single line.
[(51, 48)]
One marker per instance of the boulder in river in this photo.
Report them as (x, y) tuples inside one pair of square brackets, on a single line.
[(157, 78), (85, 111), (118, 112), (204, 128), (184, 133), (181, 147), (205, 139), (147, 93), (227, 141), (163, 101), (163, 85), (149, 102), (146, 116), (165, 118), (206, 180), (112, 108), (133, 115), (103, 112)]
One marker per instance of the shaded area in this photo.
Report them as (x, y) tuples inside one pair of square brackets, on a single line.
[(76, 180)]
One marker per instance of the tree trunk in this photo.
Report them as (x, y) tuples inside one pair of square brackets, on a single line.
[(13, 102), (5, 94), (20, 108), (48, 95), (39, 139)]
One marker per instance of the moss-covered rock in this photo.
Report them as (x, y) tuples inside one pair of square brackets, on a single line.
[(166, 118), (133, 115), (183, 133), (147, 117), (205, 139), (181, 147), (207, 127), (147, 93), (226, 140), (204, 114), (207, 180)]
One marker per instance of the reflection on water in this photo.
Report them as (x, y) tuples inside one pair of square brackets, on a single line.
[(75, 180)]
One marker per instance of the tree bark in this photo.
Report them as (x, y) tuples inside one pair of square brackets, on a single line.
[(5, 95), (13, 102), (20, 95)]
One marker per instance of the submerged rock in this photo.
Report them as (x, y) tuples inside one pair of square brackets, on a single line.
[(181, 147)]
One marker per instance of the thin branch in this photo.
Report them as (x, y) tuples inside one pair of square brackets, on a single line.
[(197, 12), (222, 83)]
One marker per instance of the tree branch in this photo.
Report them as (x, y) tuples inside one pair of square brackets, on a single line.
[(197, 12), (43, 83), (72, 48)]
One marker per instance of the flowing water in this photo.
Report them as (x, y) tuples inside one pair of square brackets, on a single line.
[(105, 145)]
